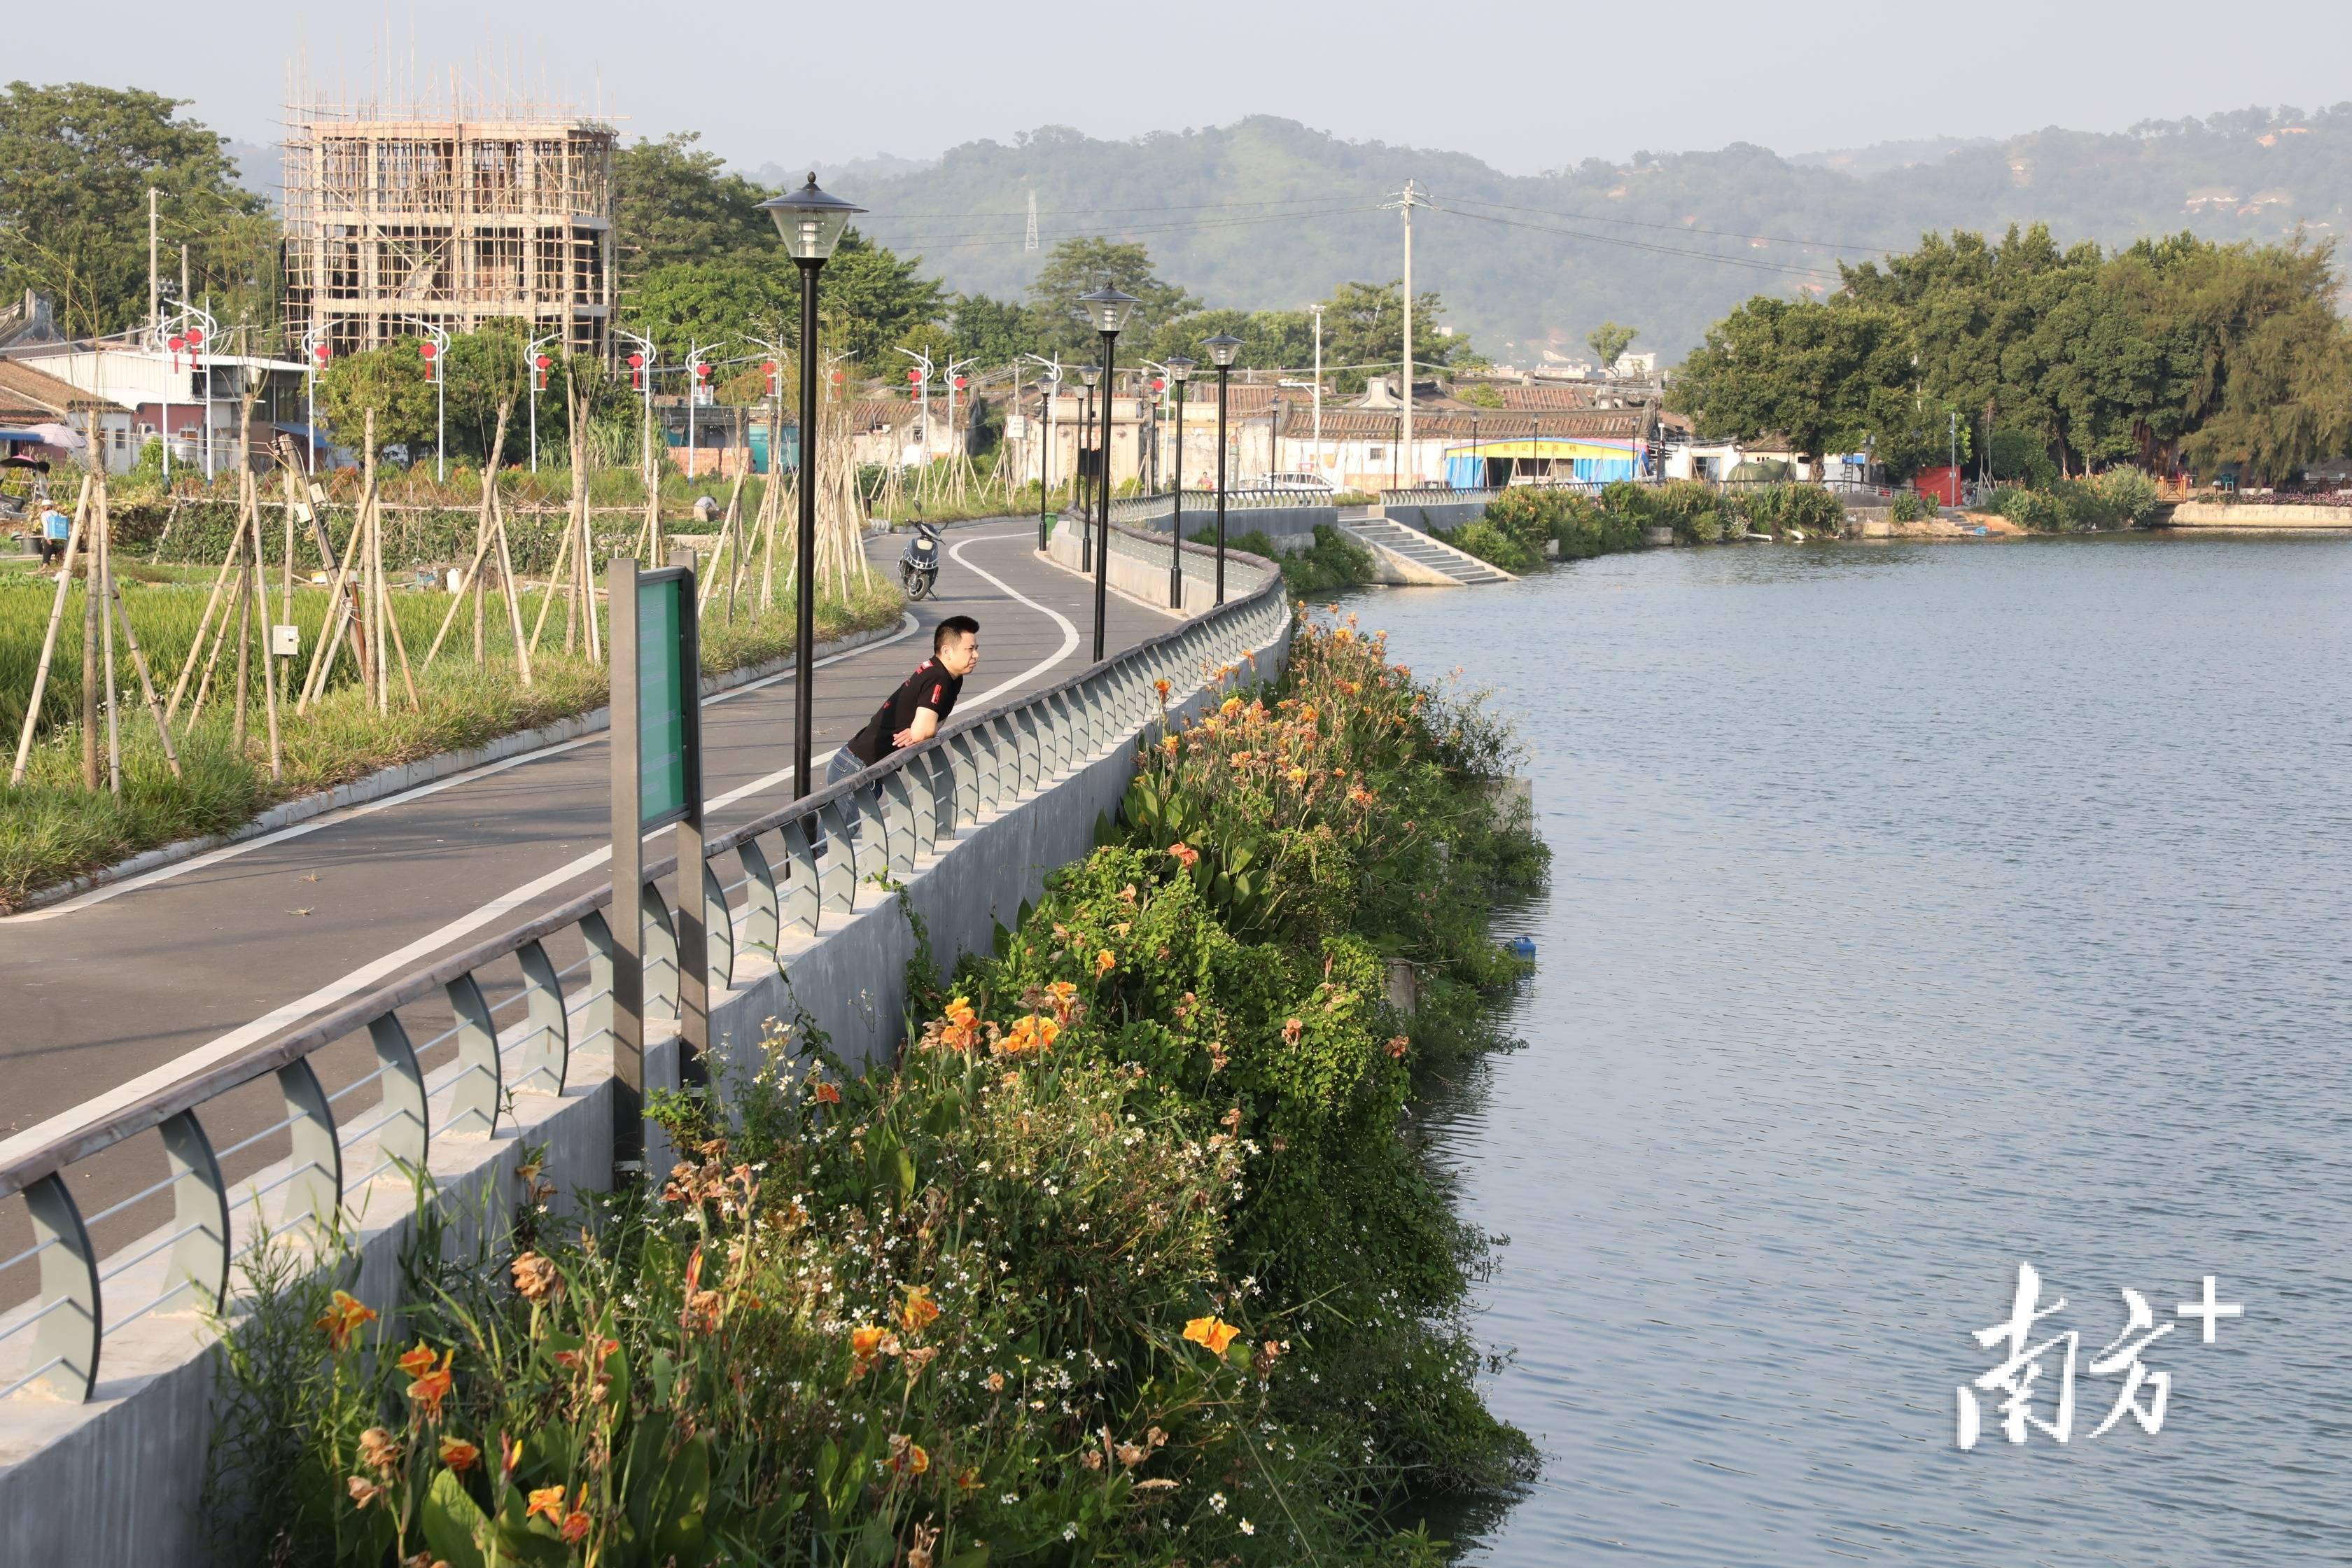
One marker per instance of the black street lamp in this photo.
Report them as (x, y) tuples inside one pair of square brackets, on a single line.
[(1088, 375), (1048, 386), (1179, 371), (1108, 309), (810, 223), (1223, 350)]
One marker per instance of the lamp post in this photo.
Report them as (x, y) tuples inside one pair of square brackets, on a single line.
[(1088, 375), (435, 350), (1179, 371), (1223, 350), (1108, 309), (1049, 385), (810, 223), (539, 362), (641, 371), (316, 351)]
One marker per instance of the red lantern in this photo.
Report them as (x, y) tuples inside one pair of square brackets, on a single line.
[(702, 373), (323, 352), (769, 369), (962, 381), (914, 376), (427, 350), (838, 378), (196, 335), (1158, 385), (542, 365), (636, 372)]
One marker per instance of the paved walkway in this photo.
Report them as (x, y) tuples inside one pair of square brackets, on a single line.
[(113, 984)]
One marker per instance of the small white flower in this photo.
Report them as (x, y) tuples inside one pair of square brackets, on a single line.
[(1248, 1529), (1217, 1502), (1069, 1532), (1009, 1498)]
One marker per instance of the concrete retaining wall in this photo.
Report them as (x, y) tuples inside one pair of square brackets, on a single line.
[(2223, 514), (1426, 515), (120, 1480)]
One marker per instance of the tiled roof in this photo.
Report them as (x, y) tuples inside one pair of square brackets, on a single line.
[(34, 396)]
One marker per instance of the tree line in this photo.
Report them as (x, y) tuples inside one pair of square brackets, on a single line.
[(2040, 361)]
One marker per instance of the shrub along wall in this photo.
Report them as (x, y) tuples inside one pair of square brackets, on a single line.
[(1122, 1259)]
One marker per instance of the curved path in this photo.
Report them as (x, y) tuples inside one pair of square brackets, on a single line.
[(236, 947)]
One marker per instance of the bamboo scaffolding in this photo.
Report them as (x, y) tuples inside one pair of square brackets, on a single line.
[(481, 545), (129, 634)]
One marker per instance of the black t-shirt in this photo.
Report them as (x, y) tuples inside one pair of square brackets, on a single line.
[(930, 687)]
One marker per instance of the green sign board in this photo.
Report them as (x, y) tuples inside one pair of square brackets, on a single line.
[(666, 780)]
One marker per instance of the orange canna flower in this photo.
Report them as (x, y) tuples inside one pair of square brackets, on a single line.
[(920, 1313), (961, 1029), (968, 1479), (1105, 962), (1184, 854), (345, 1315), (1062, 996), (1291, 1029), (363, 1491), (1168, 744), (1214, 1332), (458, 1454), (865, 1339), (827, 1094), (378, 1449), (547, 1501), (510, 1456), (1296, 774), (416, 1363), (430, 1389), (1162, 687), (1031, 1034), (576, 1524)]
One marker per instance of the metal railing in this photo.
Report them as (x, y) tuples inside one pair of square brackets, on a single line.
[(797, 869), (1203, 503)]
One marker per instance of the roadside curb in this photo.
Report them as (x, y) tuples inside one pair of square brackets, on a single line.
[(409, 775)]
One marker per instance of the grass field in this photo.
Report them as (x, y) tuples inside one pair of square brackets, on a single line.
[(51, 828)]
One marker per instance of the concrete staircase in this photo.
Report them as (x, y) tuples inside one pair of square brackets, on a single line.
[(1411, 556)]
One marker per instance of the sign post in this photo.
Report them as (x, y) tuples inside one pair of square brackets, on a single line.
[(657, 685)]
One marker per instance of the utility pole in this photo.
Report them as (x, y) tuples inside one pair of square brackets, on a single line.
[(1407, 199), (1029, 242), (154, 284), (1319, 464)]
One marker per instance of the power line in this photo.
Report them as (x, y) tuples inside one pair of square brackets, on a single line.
[(1749, 263), (1675, 228), (981, 241)]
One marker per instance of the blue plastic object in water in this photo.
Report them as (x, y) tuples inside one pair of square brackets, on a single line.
[(1522, 946)]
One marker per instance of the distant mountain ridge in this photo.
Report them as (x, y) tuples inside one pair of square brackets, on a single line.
[(1268, 213)]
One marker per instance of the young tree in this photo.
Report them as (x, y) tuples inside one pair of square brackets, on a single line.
[(390, 380), (1363, 324), (1826, 377), (1609, 342), (673, 202)]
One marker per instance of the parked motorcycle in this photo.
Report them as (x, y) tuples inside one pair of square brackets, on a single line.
[(918, 567)]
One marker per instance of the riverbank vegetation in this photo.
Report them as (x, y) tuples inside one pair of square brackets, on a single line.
[(2181, 350), (1122, 1258), (53, 827), (1334, 563)]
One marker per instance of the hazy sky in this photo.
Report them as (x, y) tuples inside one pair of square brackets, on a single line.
[(1524, 86)]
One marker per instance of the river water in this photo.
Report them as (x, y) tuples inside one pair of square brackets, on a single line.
[(1918, 913)]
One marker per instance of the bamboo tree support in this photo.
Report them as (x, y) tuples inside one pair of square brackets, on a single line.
[(514, 601), (90, 778), (204, 624), (49, 637), (472, 579), (269, 662), (341, 605), (131, 639), (770, 495), (100, 591), (562, 559), (742, 531), (588, 584), (244, 666)]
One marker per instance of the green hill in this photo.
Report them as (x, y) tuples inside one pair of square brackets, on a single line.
[(1267, 213)]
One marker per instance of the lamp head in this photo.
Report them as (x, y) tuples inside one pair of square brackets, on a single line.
[(1090, 374), (1108, 309), (1180, 369), (809, 221), (1224, 349)]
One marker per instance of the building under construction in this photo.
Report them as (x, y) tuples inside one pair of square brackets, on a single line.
[(396, 220)]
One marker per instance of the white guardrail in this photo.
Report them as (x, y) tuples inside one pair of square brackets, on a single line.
[(450, 1044)]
